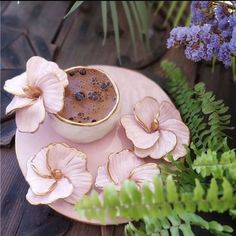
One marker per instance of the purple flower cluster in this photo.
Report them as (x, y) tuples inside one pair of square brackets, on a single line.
[(212, 32)]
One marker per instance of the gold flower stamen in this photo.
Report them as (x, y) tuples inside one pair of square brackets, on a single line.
[(32, 92), (154, 125), (57, 174)]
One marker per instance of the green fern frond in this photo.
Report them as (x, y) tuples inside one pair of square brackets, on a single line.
[(209, 164), (174, 224), (160, 200), (204, 115)]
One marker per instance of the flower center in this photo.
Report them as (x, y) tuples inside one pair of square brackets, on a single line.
[(154, 125), (56, 173), (32, 92)]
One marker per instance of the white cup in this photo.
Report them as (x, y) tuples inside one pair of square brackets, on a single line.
[(87, 132)]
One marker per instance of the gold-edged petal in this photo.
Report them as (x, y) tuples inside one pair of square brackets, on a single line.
[(165, 144), (16, 85), (60, 155), (103, 178), (73, 165), (82, 183), (146, 111), (39, 186), (52, 93), (182, 133), (63, 190), (29, 118), (18, 103), (144, 173), (134, 132), (168, 111), (38, 67), (121, 164)]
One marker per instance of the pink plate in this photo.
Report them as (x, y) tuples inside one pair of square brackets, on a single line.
[(133, 87)]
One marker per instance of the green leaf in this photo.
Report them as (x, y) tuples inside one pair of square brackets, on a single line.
[(183, 6), (130, 24), (170, 11), (186, 229), (143, 13), (115, 22), (136, 18), (104, 20), (76, 5)]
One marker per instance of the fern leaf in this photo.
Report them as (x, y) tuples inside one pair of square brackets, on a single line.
[(208, 164), (161, 202), (175, 223), (205, 116)]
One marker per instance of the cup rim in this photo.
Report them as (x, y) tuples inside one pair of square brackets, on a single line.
[(90, 124)]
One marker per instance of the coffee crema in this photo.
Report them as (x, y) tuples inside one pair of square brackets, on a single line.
[(89, 97)]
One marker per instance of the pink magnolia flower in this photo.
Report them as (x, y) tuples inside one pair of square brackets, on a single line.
[(156, 129), (57, 171), (39, 89), (125, 166)]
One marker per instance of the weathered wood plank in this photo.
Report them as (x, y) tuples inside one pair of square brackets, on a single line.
[(77, 48), (107, 230), (80, 229), (177, 56), (15, 55), (39, 18), (4, 5), (13, 191), (42, 220)]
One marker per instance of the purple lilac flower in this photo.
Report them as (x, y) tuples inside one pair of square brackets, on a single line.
[(224, 54), (211, 33), (200, 11)]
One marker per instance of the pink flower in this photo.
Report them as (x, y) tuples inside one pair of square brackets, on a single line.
[(39, 89), (125, 166), (156, 129), (57, 171)]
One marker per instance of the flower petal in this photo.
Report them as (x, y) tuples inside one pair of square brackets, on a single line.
[(15, 85), (60, 156), (142, 153), (29, 118), (39, 162), (121, 164), (52, 93), (73, 166), (82, 183), (17, 103), (165, 144), (144, 173), (182, 133), (39, 183), (63, 189), (137, 134), (168, 111), (102, 178), (146, 111), (38, 67)]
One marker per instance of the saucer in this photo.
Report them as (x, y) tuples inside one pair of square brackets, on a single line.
[(133, 87)]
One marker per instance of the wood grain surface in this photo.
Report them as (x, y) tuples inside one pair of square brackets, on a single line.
[(37, 28)]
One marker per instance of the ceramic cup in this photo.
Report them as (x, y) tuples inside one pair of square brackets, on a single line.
[(87, 132)]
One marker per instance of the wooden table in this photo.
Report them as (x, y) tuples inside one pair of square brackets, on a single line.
[(38, 28)]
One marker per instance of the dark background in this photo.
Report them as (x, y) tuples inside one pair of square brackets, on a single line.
[(38, 28)]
